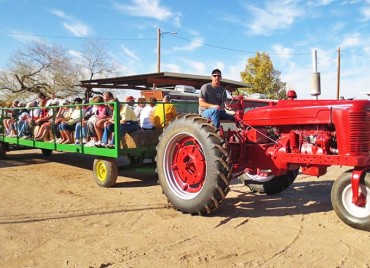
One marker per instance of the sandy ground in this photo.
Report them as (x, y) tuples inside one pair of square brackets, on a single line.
[(52, 214)]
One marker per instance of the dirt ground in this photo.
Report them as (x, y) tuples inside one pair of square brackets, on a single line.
[(53, 214)]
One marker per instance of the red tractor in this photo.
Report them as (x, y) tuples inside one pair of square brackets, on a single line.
[(266, 149)]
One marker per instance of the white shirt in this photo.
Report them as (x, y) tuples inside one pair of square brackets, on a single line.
[(76, 116), (146, 117), (138, 110)]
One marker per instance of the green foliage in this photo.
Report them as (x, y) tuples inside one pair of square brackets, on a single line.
[(260, 73)]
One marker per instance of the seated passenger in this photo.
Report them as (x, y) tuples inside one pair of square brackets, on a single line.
[(44, 117), (62, 115), (10, 122), (69, 125), (128, 123), (34, 113), (139, 107), (147, 115), (96, 122), (22, 120), (42, 99), (82, 130), (164, 113), (43, 132), (22, 123)]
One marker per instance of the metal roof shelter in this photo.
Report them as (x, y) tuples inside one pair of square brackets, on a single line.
[(161, 80)]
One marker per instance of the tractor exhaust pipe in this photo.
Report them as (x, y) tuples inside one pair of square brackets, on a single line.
[(315, 77)]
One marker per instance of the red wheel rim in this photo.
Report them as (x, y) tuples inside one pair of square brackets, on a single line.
[(188, 165)]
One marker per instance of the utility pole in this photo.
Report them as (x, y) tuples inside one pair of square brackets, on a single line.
[(158, 50), (159, 35), (338, 74)]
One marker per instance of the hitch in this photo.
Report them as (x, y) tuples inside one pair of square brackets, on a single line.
[(359, 199)]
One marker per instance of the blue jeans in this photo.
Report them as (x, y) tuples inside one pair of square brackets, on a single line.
[(215, 116), (21, 128), (80, 129), (107, 131), (125, 128)]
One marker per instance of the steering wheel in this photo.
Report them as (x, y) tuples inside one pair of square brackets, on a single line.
[(232, 105)]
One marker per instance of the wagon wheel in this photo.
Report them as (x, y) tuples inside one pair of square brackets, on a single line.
[(3, 149), (193, 165), (269, 184), (341, 198), (46, 152), (105, 172)]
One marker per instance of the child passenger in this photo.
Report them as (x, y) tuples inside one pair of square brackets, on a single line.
[(96, 122)]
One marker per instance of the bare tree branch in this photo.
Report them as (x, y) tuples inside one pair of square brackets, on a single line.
[(42, 67)]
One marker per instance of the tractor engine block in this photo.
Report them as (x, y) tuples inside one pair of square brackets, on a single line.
[(309, 142)]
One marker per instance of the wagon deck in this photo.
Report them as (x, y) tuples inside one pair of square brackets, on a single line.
[(136, 145)]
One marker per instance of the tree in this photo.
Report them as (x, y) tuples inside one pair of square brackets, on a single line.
[(42, 67), (260, 73), (96, 60), (39, 67)]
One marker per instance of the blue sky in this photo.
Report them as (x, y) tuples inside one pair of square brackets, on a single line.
[(209, 34)]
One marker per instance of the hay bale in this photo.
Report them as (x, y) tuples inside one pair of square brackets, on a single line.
[(140, 138)]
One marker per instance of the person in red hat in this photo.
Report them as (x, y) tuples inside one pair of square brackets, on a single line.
[(130, 100)]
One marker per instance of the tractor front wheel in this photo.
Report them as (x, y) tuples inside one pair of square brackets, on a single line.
[(193, 165), (269, 184), (341, 198), (105, 172)]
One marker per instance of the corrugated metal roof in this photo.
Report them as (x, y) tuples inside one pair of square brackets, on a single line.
[(163, 79)]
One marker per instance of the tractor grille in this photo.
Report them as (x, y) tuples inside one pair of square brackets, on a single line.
[(359, 132)]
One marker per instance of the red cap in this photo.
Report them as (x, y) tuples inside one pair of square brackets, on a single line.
[(130, 98)]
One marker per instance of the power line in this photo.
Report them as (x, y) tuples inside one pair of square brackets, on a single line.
[(209, 45), (359, 55), (173, 36), (148, 39), (79, 38), (238, 50)]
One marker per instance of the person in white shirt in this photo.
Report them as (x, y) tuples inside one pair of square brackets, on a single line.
[(140, 106), (147, 115)]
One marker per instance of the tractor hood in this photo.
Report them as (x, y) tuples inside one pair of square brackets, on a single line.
[(301, 112)]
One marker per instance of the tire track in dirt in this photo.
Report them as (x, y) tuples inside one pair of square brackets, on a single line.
[(286, 248), (52, 215)]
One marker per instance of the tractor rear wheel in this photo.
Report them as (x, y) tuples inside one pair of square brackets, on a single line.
[(341, 198), (105, 172), (193, 165), (269, 184)]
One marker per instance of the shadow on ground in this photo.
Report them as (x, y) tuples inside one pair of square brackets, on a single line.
[(300, 199)]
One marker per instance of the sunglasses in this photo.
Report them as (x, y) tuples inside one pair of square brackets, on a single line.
[(216, 75)]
